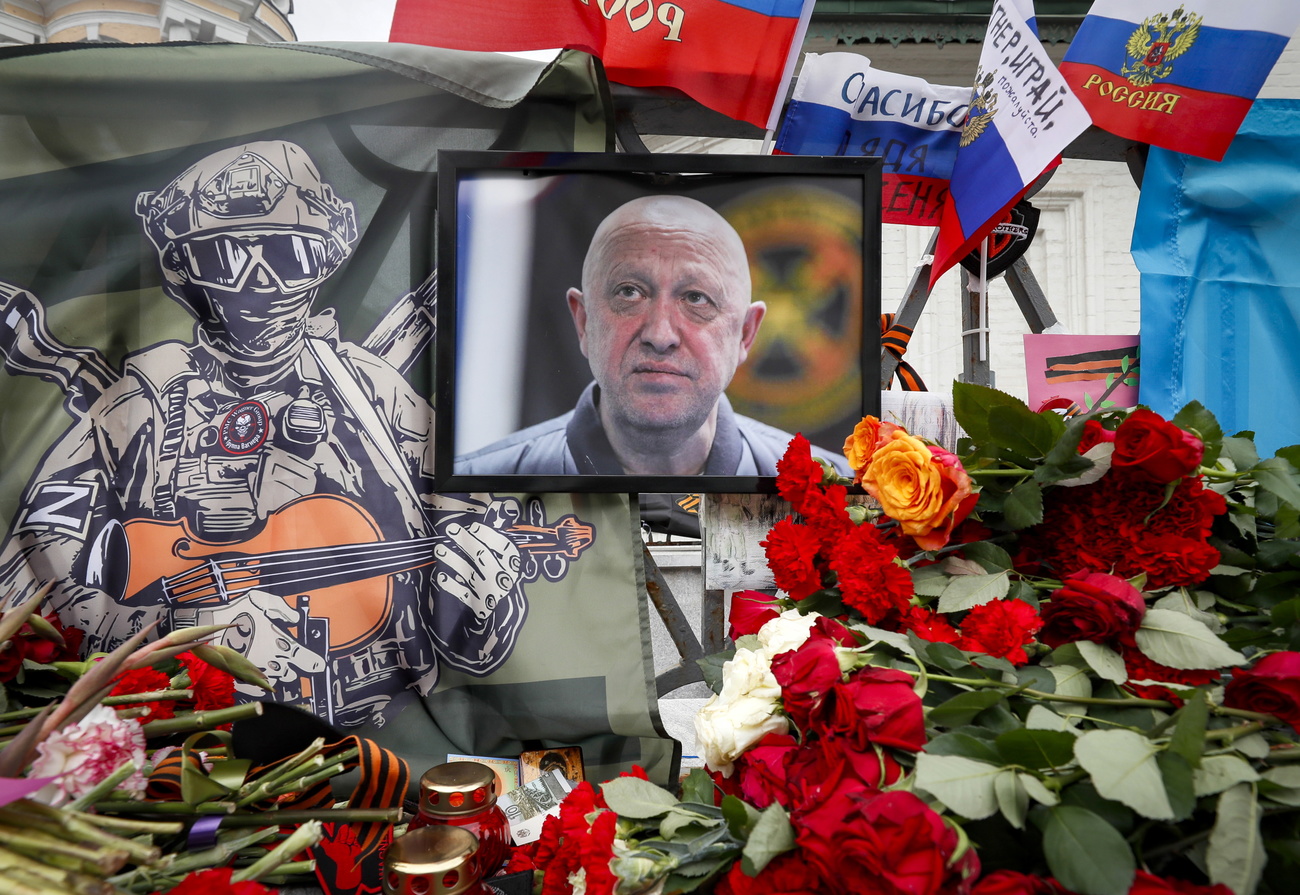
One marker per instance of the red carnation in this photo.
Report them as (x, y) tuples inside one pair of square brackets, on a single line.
[(797, 473), (213, 688), (216, 881), (1139, 667), (1013, 882), (792, 551), (926, 624), (145, 680), (1149, 445), (870, 577), (1271, 686), (1001, 628)]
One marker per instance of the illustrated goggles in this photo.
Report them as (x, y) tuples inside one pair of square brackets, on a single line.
[(291, 260)]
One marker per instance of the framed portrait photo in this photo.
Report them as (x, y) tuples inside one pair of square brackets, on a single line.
[(651, 323)]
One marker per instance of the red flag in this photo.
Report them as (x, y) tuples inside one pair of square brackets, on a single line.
[(733, 56)]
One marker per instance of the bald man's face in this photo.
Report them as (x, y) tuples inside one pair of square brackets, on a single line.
[(665, 316)]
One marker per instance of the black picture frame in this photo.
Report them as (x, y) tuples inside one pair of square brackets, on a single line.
[(508, 220)]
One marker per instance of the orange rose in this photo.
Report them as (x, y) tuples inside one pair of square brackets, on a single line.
[(920, 486), (867, 436)]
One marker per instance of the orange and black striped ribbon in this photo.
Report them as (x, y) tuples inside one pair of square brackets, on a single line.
[(894, 338), (382, 781)]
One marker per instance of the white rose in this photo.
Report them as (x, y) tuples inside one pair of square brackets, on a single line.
[(742, 714), (787, 631)]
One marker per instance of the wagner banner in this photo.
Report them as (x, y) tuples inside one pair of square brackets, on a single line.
[(217, 286)]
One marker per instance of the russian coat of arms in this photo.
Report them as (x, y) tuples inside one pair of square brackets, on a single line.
[(983, 106), (1158, 41)]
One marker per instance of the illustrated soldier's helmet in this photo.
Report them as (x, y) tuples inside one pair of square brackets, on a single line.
[(256, 216)]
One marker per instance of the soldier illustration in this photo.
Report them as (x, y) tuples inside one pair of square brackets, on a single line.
[(269, 475)]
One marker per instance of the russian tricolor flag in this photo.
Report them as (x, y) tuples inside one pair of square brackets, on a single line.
[(1022, 114), (1183, 78), (843, 106), (734, 56)]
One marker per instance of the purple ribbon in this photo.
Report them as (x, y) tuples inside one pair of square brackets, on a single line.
[(203, 832)]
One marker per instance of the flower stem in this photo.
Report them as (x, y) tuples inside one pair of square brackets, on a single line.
[(1128, 702), (202, 720), (104, 787), (299, 841)]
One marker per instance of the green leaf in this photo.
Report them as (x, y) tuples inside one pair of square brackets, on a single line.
[(1195, 418), (711, 668), (1236, 853), (1241, 451), (1019, 429), (1220, 772), (1086, 854), (1123, 768), (929, 581), (962, 708), (1276, 476), (964, 744), (1036, 749), (1013, 799), (1177, 776), (963, 785), (1108, 664), (1071, 680), (973, 404), (634, 797), (1024, 506), (740, 816), (1179, 641), (1063, 460), (968, 591), (1188, 738), (698, 787), (989, 555), (1037, 791), (678, 819), (772, 835)]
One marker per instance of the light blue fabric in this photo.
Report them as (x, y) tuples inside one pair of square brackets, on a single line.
[(1218, 247)]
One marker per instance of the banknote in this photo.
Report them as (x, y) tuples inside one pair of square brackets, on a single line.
[(506, 769), (527, 807)]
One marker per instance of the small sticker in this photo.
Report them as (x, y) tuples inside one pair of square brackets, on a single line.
[(244, 428)]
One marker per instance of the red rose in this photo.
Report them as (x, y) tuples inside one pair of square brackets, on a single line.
[(791, 551), (750, 610), (827, 767), (886, 844), (1012, 882), (875, 705), (1091, 606), (805, 674), (1149, 445), (870, 577), (786, 874), (1271, 686), (11, 657), (1149, 884), (761, 770), (797, 473), (1094, 433), (1001, 628)]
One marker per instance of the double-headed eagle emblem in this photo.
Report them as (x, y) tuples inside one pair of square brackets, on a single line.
[(983, 106), (1158, 41)]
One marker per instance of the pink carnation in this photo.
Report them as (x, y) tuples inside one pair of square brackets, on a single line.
[(81, 755)]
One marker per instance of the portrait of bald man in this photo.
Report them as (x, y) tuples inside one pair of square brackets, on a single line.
[(664, 317)]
